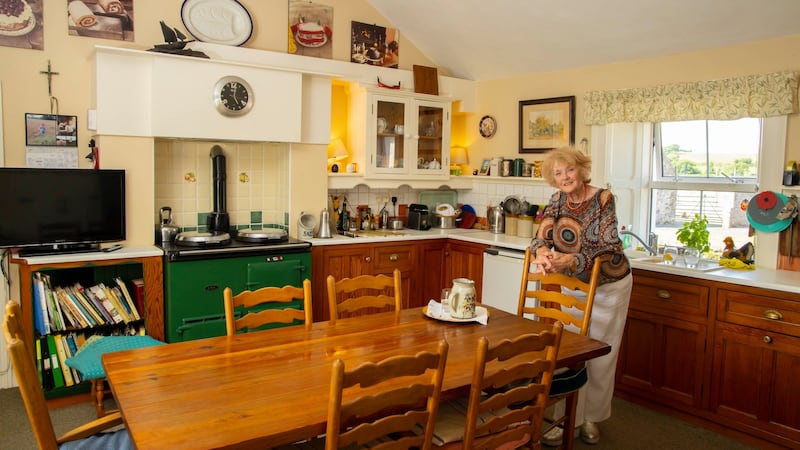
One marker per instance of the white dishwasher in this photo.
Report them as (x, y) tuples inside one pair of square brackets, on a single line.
[(502, 276)]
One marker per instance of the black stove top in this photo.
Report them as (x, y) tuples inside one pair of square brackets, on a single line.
[(174, 252)]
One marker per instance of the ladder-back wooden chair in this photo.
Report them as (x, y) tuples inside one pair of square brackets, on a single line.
[(550, 304), (271, 298), (363, 292), (393, 401), (88, 436), (508, 396)]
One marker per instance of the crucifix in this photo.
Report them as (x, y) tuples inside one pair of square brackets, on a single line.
[(49, 74)]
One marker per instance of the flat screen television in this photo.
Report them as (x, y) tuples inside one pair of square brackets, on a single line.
[(60, 210)]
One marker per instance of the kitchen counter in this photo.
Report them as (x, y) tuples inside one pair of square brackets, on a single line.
[(782, 280)]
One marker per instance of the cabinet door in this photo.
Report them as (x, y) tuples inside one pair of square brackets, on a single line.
[(662, 358), (431, 137), (754, 381), (390, 155), (464, 260), (431, 270), (341, 261), (386, 258)]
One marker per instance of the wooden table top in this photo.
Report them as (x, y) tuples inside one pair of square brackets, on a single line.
[(271, 387)]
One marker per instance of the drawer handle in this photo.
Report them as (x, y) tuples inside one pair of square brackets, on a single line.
[(772, 314), (663, 294), (368, 259), (393, 257), (767, 339)]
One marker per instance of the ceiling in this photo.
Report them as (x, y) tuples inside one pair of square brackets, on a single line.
[(482, 40)]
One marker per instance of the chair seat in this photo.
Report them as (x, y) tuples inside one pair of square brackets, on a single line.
[(450, 419), (568, 380), (87, 360), (116, 440)]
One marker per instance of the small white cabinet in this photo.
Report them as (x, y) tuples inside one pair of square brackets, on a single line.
[(399, 135)]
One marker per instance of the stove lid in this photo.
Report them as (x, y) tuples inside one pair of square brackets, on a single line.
[(262, 235), (201, 238)]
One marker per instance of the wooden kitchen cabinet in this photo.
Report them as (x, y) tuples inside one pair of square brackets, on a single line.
[(663, 350), (352, 260), (726, 355), (756, 364), (464, 260), (399, 134)]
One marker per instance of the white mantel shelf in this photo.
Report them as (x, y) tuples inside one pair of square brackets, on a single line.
[(351, 180)]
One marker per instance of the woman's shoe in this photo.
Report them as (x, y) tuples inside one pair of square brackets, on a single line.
[(589, 433), (553, 438)]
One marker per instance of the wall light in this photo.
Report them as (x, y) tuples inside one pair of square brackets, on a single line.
[(336, 152), (458, 156)]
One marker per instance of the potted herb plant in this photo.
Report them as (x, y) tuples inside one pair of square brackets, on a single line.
[(694, 234)]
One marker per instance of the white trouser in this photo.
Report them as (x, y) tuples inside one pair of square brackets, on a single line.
[(608, 323)]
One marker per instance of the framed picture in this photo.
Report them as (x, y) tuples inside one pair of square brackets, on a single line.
[(484, 167), (51, 130), (546, 123)]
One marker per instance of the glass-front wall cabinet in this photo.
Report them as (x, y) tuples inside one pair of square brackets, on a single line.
[(411, 137)]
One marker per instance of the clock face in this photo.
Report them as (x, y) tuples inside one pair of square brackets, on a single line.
[(233, 96)]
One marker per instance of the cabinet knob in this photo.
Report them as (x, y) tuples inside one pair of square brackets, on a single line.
[(368, 259), (663, 294), (767, 339), (772, 314), (393, 257)]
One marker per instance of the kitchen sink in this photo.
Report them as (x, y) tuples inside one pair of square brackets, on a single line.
[(704, 265), (374, 233)]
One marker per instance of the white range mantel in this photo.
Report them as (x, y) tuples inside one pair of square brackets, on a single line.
[(151, 94)]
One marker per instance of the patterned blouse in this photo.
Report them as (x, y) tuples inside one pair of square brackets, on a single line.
[(586, 230)]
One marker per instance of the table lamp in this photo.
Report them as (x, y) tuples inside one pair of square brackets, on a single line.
[(336, 152), (458, 156)]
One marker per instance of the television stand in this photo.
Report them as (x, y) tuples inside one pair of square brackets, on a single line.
[(58, 249)]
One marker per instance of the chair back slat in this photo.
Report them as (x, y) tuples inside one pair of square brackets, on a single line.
[(277, 311), (364, 294)]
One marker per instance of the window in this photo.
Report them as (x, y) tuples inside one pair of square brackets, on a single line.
[(706, 167)]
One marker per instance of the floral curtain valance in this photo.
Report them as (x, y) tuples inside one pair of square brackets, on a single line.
[(767, 95)]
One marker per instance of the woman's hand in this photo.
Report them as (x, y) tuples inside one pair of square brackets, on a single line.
[(549, 261)]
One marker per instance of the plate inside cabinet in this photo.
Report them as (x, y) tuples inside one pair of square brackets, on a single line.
[(487, 126), (224, 22)]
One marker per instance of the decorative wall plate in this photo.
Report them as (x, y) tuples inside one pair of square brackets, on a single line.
[(224, 22), (487, 126)]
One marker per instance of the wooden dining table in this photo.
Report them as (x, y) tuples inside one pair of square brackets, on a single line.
[(262, 389)]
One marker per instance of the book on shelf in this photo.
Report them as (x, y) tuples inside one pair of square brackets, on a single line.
[(56, 315), (39, 367), (39, 323), (75, 309), (47, 369), (96, 304), (58, 375), (128, 299), (71, 348), (100, 294), (86, 306), (138, 292), (62, 356), (112, 296)]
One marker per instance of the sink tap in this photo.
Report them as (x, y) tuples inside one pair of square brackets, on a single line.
[(651, 247)]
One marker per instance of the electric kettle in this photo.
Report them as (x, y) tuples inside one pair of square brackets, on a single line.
[(496, 219)]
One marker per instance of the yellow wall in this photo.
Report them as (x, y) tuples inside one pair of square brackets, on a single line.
[(500, 98), (25, 90)]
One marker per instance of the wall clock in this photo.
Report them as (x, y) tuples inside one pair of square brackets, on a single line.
[(487, 126), (233, 96)]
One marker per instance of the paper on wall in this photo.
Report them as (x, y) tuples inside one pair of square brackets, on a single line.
[(51, 157)]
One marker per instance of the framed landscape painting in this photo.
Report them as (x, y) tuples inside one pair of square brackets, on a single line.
[(546, 123)]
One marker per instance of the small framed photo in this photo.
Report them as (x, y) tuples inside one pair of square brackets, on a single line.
[(51, 130), (546, 124), (484, 170)]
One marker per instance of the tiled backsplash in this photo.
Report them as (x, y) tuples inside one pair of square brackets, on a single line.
[(257, 182)]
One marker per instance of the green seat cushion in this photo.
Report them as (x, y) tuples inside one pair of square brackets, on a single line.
[(87, 359)]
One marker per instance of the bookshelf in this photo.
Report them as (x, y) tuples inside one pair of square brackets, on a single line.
[(90, 269)]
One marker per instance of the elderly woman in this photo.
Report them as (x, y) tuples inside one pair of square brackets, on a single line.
[(579, 224)]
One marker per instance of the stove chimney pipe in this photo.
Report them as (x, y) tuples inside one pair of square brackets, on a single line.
[(218, 220)]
